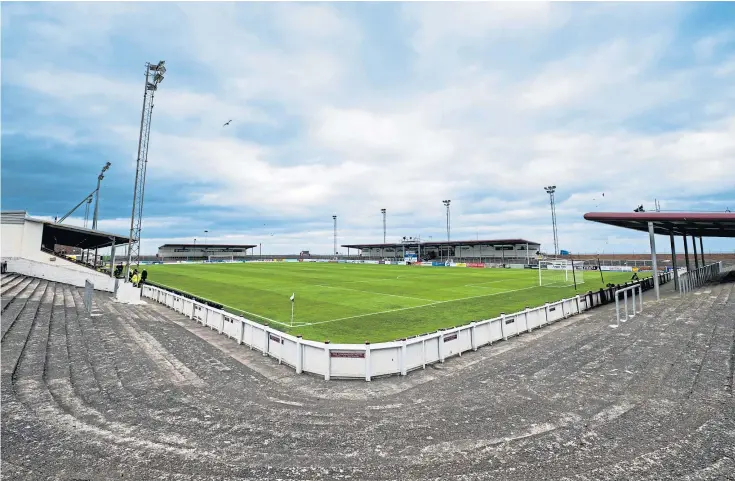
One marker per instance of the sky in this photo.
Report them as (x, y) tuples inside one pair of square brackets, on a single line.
[(346, 108)]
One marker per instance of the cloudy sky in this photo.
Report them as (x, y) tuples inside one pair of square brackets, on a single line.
[(349, 108)]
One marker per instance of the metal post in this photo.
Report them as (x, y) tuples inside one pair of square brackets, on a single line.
[(383, 212), (446, 204), (686, 252), (96, 202), (137, 174), (550, 190), (701, 250), (112, 259), (694, 248), (652, 238), (673, 262), (528, 259), (334, 217)]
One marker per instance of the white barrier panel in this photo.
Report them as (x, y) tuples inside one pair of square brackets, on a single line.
[(367, 361), (384, 360), (347, 362)]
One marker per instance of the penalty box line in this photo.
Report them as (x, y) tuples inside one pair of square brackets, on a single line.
[(418, 307)]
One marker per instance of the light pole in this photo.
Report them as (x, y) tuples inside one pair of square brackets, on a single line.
[(382, 211), (206, 232), (97, 195), (550, 190), (334, 218), (136, 217), (446, 204)]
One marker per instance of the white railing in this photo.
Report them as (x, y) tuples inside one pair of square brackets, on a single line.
[(693, 279), (632, 289), (366, 361)]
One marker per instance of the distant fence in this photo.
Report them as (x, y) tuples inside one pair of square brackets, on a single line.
[(367, 361), (698, 277)]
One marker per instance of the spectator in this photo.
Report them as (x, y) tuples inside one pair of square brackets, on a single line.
[(135, 278), (143, 277)]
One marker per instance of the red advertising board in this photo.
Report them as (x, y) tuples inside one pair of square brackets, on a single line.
[(475, 264)]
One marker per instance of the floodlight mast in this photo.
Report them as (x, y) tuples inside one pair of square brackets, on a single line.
[(136, 217), (446, 204), (382, 211), (550, 190), (97, 195), (334, 218)]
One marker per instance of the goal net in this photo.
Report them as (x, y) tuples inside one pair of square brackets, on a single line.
[(560, 272), (220, 258)]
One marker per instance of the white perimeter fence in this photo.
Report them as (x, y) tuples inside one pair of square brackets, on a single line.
[(366, 361)]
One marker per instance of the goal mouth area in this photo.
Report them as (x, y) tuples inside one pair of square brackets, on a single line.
[(560, 272)]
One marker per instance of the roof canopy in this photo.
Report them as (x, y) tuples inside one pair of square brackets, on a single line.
[(72, 236), (494, 242), (721, 224), (209, 246)]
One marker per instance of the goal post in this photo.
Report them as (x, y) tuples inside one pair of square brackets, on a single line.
[(220, 258), (560, 272)]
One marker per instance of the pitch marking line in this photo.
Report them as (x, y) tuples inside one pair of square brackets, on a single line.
[(417, 307), (233, 308), (480, 284), (371, 292)]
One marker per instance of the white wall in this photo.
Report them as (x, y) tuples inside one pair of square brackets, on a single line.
[(11, 238), (60, 270)]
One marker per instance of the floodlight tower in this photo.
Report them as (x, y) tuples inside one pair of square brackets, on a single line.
[(550, 190), (382, 211), (334, 218), (153, 77), (446, 204), (97, 195)]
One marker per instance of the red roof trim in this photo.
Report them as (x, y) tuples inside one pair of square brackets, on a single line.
[(661, 216)]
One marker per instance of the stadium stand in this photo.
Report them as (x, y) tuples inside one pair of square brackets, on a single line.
[(145, 392)]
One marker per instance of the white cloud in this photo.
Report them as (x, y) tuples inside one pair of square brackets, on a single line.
[(474, 121)]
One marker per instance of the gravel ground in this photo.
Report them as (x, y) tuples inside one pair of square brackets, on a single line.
[(143, 393)]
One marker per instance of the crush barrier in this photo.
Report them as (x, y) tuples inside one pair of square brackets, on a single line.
[(367, 361), (688, 281)]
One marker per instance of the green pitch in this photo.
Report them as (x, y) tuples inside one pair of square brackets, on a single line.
[(354, 303)]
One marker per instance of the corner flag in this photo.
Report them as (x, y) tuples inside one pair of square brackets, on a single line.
[(293, 296)]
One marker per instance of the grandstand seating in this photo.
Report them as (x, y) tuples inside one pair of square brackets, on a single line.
[(145, 392)]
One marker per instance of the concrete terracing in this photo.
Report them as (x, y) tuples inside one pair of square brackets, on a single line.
[(141, 392)]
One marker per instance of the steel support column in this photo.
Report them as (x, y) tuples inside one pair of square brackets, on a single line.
[(694, 248), (673, 262), (701, 250), (686, 252), (652, 238)]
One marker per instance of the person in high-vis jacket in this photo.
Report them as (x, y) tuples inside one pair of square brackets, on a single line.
[(136, 278)]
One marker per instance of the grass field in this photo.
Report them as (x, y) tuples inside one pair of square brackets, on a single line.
[(358, 302)]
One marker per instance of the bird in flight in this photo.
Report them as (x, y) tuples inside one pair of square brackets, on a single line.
[(227, 123)]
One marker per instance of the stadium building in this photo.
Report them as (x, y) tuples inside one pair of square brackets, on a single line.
[(500, 250), (173, 252)]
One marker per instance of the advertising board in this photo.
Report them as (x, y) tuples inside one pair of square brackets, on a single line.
[(616, 268)]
